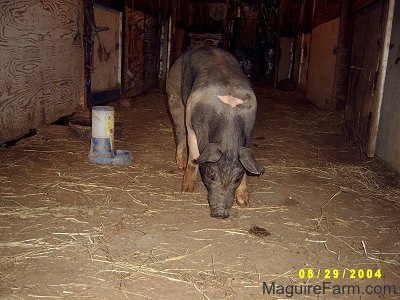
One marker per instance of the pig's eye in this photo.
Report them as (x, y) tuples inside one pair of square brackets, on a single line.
[(210, 173)]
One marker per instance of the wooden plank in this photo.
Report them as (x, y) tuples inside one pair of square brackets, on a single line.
[(322, 64), (345, 38), (151, 48), (134, 55), (129, 61), (40, 67), (152, 7), (359, 4), (325, 11), (142, 53)]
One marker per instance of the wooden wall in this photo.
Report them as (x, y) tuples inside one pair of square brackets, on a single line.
[(388, 143), (325, 10), (106, 65), (40, 67), (360, 113), (321, 71)]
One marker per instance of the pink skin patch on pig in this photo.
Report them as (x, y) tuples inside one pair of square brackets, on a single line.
[(232, 101)]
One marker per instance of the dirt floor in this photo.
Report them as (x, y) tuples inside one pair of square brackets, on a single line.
[(321, 214)]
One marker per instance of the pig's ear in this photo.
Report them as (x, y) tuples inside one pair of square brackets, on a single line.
[(248, 161), (211, 153)]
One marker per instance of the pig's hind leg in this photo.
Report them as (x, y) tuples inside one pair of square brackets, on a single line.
[(177, 110)]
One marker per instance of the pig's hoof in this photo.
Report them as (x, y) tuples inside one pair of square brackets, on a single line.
[(243, 204), (180, 157), (181, 165), (187, 189), (242, 199)]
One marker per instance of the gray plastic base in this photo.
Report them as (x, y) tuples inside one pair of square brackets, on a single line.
[(117, 157)]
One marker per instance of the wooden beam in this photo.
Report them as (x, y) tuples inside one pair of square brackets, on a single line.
[(359, 4)]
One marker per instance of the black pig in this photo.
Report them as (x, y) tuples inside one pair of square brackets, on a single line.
[(213, 108)]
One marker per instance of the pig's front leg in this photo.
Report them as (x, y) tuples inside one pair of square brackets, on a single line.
[(177, 110), (242, 194)]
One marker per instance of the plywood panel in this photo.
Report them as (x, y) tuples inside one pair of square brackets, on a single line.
[(367, 43), (322, 64), (106, 68), (40, 67)]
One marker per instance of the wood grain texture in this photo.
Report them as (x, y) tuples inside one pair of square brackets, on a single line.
[(134, 60), (106, 50), (40, 68), (141, 53)]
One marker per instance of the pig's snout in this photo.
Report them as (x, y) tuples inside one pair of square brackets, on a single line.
[(220, 199), (220, 214), (221, 210)]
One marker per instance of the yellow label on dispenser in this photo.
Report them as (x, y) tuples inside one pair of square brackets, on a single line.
[(110, 125)]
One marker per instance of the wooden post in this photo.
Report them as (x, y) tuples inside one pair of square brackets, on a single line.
[(343, 55)]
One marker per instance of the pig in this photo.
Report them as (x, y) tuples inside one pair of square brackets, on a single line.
[(213, 108)]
